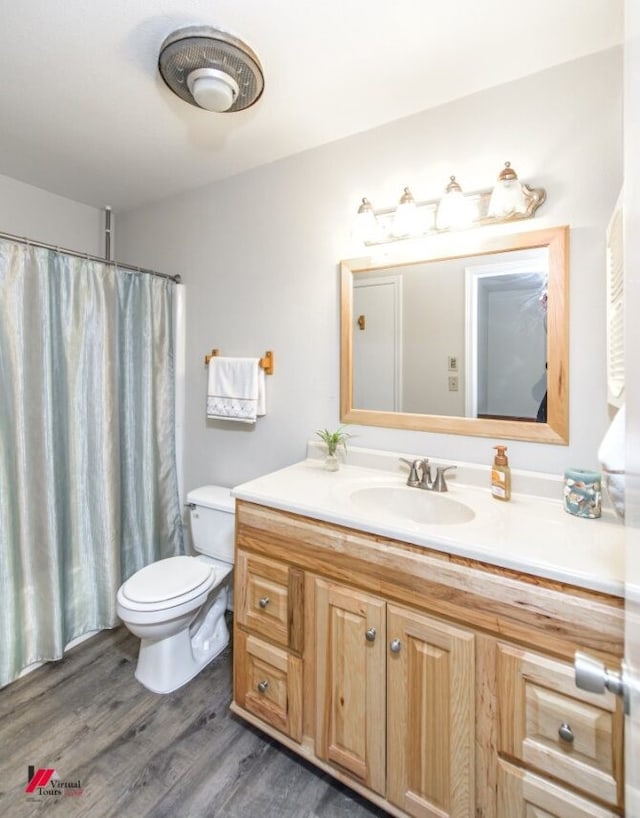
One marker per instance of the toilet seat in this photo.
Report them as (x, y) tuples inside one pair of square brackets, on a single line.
[(167, 583)]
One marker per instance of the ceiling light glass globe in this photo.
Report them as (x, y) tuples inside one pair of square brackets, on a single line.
[(213, 90)]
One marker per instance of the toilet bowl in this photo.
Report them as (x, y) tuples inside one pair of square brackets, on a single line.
[(176, 606)]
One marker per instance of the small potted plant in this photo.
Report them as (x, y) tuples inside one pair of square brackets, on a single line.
[(332, 440)]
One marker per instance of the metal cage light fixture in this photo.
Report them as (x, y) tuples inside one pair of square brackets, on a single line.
[(211, 69)]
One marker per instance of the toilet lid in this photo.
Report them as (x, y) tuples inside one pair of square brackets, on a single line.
[(167, 579)]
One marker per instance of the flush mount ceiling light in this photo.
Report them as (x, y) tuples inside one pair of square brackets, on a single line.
[(211, 69)]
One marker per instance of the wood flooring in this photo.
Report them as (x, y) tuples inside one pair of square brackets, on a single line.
[(137, 753)]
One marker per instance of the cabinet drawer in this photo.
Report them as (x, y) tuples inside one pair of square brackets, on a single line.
[(548, 723), (268, 683), (522, 794), (270, 599)]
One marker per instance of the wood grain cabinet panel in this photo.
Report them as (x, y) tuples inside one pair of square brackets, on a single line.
[(268, 683), (522, 794), (553, 727), (270, 599), (350, 682), (396, 688), (430, 722)]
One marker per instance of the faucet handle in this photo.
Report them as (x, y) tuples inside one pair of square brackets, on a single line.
[(413, 478), (440, 484)]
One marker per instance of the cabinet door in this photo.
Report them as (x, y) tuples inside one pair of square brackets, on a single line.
[(350, 682), (522, 794), (431, 721)]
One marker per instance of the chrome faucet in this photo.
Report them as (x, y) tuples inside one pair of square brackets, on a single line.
[(424, 479)]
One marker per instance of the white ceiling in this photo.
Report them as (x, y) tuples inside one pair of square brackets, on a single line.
[(84, 113)]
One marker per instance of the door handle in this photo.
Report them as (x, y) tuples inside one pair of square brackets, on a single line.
[(592, 675)]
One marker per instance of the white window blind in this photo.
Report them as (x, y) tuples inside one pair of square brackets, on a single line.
[(615, 307)]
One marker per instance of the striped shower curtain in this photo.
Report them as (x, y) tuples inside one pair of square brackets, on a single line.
[(88, 481)]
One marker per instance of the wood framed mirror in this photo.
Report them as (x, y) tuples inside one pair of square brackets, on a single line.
[(467, 337)]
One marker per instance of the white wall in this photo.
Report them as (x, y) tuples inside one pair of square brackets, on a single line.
[(33, 213), (259, 255)]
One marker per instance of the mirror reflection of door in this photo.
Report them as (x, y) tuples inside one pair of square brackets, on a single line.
[(377, 332), (506, 341)]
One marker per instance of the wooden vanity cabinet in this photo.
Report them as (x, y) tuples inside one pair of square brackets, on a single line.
[(436, 686)]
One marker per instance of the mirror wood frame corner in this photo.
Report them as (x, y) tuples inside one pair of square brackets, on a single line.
[(556, 429)]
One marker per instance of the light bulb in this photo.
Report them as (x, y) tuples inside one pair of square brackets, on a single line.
[(213, 90), (405, 219), (454, 212)]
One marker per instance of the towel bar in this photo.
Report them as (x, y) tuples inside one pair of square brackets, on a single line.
[(266, 363)]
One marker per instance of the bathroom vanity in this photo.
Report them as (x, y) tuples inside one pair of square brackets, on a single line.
[(429, 666)]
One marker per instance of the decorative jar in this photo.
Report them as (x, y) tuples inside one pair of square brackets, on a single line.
[(582, 493)]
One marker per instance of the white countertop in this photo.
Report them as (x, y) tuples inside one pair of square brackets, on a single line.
[(530, 533)]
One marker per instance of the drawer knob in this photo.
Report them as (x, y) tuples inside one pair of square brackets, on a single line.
[(263, 685), (565, 732), (371, 635), (395, 645), (264, 601)]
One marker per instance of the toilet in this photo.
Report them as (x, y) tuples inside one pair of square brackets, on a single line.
[(177, 605)]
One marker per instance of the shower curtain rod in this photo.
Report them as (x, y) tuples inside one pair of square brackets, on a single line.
[(89, 257)]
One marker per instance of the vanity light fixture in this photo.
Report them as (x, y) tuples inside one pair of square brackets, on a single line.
[(510, 200)]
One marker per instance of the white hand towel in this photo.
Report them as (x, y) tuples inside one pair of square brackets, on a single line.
[(611, 456), (236, 389), (611, 451)]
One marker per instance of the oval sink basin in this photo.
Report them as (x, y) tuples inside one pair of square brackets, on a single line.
[(411, 504)]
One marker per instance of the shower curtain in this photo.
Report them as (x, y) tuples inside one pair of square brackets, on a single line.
[(88, 481)]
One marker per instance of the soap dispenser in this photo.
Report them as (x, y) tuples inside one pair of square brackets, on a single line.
[(501, 475)]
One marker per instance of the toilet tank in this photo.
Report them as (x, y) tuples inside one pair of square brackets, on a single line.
[(212, 512)]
